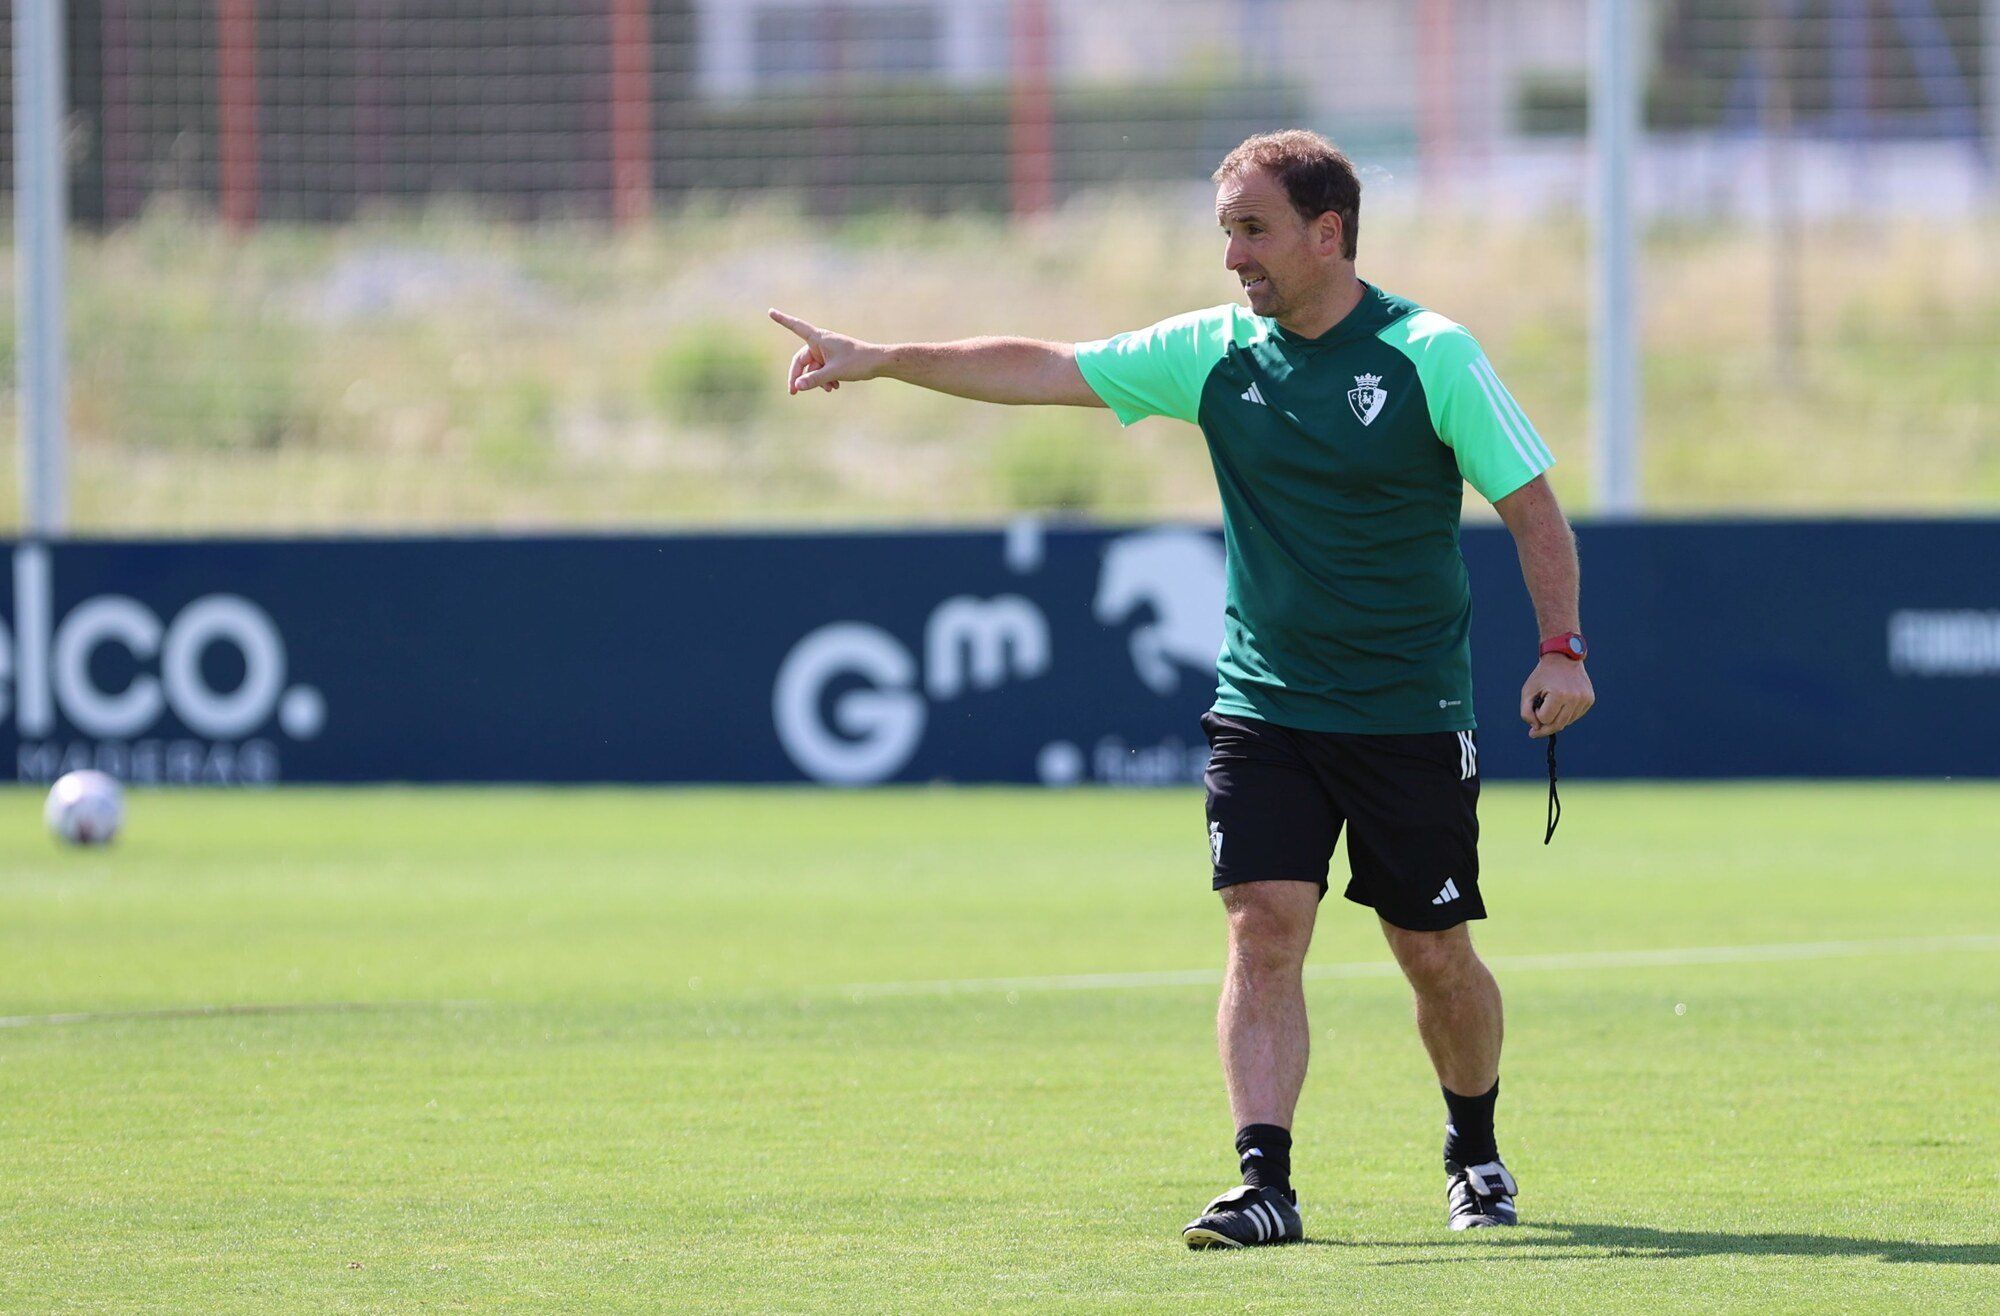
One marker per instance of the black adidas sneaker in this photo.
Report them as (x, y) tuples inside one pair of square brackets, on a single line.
[(1480, 1196), (1246, 1217)]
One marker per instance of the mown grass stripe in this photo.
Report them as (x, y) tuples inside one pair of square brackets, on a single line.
[(230, 1011), (1663, 957)]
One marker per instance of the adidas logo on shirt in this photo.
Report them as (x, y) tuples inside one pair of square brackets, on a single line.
[(1449, 894), (1252, 395)]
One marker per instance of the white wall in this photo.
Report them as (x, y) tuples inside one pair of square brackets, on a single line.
[(1359, 59)]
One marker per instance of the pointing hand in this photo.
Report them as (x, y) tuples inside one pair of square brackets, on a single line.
[(827, 358)]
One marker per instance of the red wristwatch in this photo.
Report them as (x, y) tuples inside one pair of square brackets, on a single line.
[(1569, 644)]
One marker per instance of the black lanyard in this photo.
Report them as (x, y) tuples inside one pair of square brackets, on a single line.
[(1555, 800)]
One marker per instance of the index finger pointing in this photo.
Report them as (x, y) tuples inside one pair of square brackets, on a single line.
[(793, 323)]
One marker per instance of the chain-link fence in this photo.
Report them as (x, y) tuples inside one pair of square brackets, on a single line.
[(482, 263)]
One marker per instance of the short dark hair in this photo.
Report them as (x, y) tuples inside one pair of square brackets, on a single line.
[(1317, 176)]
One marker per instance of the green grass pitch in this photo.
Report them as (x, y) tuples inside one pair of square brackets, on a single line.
[(655, 1051)]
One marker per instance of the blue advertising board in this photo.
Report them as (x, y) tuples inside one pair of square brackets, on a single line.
[(1030, 654)]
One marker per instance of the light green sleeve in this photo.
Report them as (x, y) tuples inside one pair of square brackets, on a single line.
[(1159, 371), (1473, 413)]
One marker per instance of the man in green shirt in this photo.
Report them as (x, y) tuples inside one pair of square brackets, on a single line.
[(1342, 422)]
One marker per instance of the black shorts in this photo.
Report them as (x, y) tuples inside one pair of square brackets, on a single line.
[(1278, 797)]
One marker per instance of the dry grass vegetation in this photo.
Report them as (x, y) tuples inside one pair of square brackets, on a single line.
[(443, 371)]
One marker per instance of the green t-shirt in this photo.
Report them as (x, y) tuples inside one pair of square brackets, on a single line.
[(1339, 460)]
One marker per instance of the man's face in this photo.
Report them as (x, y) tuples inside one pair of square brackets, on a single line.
[(1279, 256)]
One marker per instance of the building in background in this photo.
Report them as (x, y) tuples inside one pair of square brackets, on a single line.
[(285, 110), (1380, 72)]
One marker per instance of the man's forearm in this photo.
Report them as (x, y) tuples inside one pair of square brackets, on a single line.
[(1547, 548), (1013, 370), (1558, 691), (1549, 566)]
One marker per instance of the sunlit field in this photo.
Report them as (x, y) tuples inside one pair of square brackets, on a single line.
[(949, 1050)]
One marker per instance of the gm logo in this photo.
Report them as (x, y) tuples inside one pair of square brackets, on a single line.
[(869, 731), (851, 701)]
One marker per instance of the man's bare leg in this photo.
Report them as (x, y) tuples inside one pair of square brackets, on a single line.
[(1458, 1005), (1459, 1018), (1260, 1029), (1261, 1026)]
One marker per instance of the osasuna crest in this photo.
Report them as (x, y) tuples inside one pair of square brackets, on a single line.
[(1367, 397)]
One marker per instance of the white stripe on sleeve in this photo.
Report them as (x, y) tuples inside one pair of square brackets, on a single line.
[(1527, 426), (1490, 387), (1504, 403)]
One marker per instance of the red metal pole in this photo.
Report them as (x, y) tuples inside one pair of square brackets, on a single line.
[(1032, 136), (1437, 112), (631, 112), (236, 108)]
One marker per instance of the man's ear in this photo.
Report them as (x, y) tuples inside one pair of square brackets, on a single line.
[(1331, 232)]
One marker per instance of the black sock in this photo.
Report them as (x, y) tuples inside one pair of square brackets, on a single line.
[(1266, 1153), (1468, 1137)]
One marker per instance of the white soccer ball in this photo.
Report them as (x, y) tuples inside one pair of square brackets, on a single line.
[(85, 808)]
